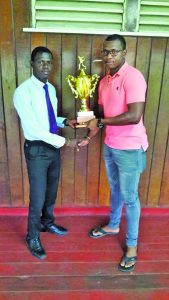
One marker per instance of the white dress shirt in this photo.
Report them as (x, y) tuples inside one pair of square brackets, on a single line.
[(30, 103)]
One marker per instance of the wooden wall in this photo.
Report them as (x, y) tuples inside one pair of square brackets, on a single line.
[(83, 179)]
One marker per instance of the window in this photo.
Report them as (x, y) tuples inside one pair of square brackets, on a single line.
[(95, 16), (154, 16)]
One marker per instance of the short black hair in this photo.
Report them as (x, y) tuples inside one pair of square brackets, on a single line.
[(39, 49), (118, 37)]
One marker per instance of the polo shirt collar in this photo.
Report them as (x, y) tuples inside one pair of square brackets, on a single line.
[(119, 72)]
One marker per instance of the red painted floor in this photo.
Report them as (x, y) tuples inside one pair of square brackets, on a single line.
[(80, 268)]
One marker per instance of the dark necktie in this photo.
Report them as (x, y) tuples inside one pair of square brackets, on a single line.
[(51, 115)]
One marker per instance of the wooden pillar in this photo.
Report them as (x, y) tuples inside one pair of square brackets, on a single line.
[(131, 15)]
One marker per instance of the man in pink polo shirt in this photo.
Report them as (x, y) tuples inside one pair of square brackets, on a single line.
[(121, 106)]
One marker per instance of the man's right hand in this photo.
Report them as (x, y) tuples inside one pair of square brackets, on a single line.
[(72, 123)]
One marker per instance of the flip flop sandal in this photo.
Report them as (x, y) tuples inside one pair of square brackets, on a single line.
[(101, 232), (127, 260)]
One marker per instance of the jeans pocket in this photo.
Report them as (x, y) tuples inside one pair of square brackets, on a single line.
[(143, 161), (31, 151)]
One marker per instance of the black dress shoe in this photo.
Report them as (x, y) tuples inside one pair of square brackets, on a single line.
[(54, 229), (42, 229), (35, 247)]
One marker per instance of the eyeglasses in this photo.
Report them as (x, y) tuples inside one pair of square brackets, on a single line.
[(112, 52)]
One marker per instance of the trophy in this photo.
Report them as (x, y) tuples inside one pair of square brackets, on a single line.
[(83, 86)]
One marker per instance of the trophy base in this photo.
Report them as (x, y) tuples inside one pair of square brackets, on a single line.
[(83, 118)]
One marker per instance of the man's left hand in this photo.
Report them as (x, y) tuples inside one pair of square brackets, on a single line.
[(72, 143)]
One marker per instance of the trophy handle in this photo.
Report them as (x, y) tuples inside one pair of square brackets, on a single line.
[(71, 81), (94, 81)]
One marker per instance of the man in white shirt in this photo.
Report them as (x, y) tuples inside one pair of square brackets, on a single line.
[(36, 103)]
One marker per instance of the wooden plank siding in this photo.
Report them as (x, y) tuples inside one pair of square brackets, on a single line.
[(83, 180)]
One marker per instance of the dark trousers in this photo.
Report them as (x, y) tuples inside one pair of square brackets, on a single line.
[(43, 165)]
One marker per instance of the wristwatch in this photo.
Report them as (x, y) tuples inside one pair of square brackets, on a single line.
[(99, 123)]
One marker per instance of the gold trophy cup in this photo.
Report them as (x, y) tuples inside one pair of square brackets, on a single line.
[(83, 86)]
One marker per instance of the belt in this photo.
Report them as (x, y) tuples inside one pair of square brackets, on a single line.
[(40, 143)]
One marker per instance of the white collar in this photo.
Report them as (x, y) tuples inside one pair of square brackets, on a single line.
[(37, 81)]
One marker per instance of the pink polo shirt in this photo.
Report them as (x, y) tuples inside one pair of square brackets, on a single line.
[(115, 92)]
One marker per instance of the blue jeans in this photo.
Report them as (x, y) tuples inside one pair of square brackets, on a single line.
[(123, 170)]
